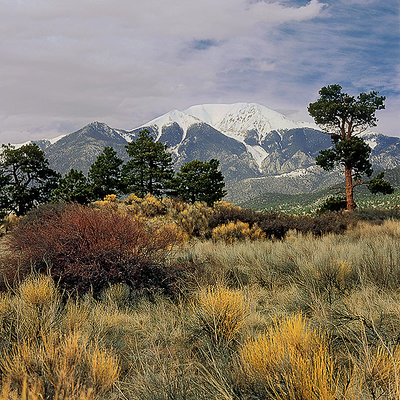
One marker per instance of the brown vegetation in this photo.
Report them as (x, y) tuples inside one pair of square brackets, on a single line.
[(310, 316)]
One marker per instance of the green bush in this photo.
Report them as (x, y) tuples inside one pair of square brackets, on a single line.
[(333, 203)]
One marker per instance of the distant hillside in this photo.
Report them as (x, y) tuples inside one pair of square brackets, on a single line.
[(259, 150), (311, 201)]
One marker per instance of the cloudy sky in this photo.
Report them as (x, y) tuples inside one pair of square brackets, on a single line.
[(65, 63)]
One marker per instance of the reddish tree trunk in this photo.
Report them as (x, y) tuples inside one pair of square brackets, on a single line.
[(349, 189)]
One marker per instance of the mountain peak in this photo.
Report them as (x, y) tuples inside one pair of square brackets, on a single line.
[(239, 118), (98, 125), (234, 120)]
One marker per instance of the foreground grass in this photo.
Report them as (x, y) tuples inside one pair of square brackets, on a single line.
[(302, 318)]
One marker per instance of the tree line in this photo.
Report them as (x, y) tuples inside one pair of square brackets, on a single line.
[(26, 179)]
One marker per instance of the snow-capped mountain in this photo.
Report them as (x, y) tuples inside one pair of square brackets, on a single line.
[(255, 128), (259, 149), (237, 120)]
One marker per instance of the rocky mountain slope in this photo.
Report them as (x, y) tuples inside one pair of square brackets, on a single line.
[(259, 149)]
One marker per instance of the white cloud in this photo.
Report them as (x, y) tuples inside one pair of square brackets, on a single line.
[(66, 63)]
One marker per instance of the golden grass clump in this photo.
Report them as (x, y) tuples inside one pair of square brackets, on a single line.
[(117, 294), (365, 230), (76, 316), (382, 372), (34, 391), (51, 350), (292, 361), (59, 363), (4, 307), (9, 223), (38, 290), (238, 230), (104, 369), (222, 312)]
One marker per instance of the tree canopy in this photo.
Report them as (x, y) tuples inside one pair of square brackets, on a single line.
[(73, 187), (105, 174), (149, 169), (344, 117), (200, 181), (25, 178)]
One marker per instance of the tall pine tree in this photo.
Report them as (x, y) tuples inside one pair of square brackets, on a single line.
[(105, 174), (200, 181), (25, 178), (73, 187), (149, 169), (344, 117)]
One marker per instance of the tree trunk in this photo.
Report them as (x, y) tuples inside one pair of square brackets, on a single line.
[(349, 189)]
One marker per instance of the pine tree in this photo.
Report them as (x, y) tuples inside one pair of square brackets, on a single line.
[(25, 178), (105, 174), (344, 117), (149, 169), (200, 181), (73, 187)]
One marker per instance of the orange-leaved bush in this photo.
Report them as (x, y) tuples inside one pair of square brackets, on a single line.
[(90, 248)]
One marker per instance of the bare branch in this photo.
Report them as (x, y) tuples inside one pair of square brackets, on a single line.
[(358, 183)]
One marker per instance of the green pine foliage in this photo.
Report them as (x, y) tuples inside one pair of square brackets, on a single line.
[(200, 181), (73, 187), (353, 152), (25, 178), (149, 169), (105, 174), (379, 185)]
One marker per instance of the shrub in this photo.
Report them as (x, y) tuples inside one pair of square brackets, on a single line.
[(333, 203), (224, 213), (194, 219), (328, 222), (222, 313), (273, 225), (237, 231), (92, 248), (292, 361), (376, 214), (9, 223), (148, 206)]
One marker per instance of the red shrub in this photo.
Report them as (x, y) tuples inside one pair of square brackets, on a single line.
[(90, 248)]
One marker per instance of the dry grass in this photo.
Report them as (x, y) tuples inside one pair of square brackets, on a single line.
[(292, 361), (302, 318), (222, 312)]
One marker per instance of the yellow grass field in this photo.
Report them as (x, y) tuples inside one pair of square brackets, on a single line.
[(306, 317)]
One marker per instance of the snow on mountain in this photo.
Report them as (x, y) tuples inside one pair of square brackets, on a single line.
[(43, 143), (239, 118), (183, 119), (236, 121)]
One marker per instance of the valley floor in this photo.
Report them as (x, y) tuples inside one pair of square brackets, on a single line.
[(302, 318)]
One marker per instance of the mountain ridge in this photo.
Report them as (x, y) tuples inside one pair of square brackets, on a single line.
[(258, 148)]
